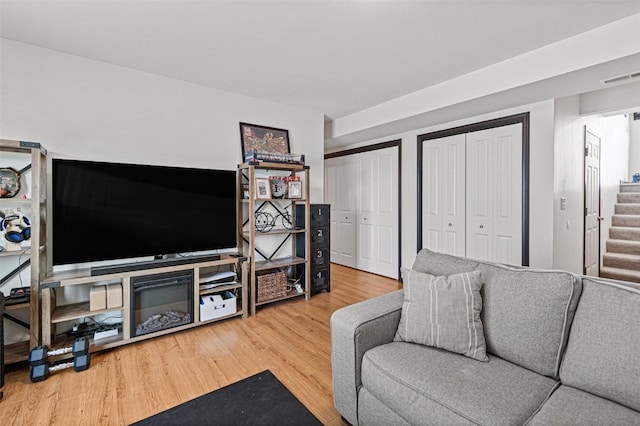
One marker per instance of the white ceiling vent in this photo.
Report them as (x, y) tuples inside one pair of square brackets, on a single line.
[(621, 78)]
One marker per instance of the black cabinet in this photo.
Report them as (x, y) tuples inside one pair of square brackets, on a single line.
[(320, 256)]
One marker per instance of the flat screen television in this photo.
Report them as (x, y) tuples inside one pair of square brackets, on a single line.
[(105, 211)]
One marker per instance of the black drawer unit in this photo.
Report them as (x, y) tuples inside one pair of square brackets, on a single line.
[(320, 256)]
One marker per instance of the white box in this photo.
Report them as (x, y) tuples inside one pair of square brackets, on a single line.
[(114, 295), (217, 305), (98, 298)]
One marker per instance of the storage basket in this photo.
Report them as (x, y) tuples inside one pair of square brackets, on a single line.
[(271, 285)]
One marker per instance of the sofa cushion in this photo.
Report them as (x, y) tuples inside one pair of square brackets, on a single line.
[(527, 314), (443, 312), (570, 406), (604, 344), (422, 383), (431, 262)]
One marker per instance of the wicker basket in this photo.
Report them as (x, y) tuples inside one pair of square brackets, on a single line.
[(271, 285)]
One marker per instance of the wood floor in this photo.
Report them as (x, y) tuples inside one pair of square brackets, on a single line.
[(132, 382)]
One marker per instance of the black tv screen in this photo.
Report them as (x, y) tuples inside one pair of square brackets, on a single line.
[(104, 211)]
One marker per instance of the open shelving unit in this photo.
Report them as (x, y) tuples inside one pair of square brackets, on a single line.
[(31, 200), (262, 260)]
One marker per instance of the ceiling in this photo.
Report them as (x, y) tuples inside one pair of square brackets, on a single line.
[(335, 57)]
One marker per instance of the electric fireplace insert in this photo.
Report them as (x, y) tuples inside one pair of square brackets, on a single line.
[(161, 301)]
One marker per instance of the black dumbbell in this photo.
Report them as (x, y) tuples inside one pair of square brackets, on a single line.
[(41, 372), (41, 367)]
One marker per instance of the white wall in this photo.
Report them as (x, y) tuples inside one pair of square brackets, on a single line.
[(541, 180), (569, 179), (91, 110)]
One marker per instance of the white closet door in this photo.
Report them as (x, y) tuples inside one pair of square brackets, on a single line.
[(331, 198), (377, 249), (340, 192), (444, 195), (494, 194)]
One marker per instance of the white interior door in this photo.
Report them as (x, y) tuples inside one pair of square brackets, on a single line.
[(377, 212), (591, 204), (444, 195), (494, 194), (340, 193)]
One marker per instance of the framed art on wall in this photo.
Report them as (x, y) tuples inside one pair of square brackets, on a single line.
[(263, 139)]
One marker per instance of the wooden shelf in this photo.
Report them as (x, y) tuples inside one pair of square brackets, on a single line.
[(16, 306), (278, 263), (30, 154), (221, 288), (290, 295), (77, 310), (16, 352), (274, 166), (276, 231), (283, 239), (291, 200)]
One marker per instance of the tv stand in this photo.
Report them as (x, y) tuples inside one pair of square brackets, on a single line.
[(55, 318), (151, 264)]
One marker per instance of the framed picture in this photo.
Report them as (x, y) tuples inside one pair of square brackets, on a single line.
[(263, 189), (294, 189), (263, 139)]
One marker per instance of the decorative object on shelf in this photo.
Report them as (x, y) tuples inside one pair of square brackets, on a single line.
[(263, 189), (263, 139), (245, 191), (294, 189), (278, 187), (9, 182), (265, 221), (271, 285), (636, 178), (257, 156), (16, 228)]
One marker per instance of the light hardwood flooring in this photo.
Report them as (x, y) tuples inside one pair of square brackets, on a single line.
[(132, 382)]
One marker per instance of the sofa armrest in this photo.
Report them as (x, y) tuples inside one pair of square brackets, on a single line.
[(354, 330)]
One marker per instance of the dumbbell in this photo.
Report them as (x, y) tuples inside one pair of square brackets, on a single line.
[(41, 367)]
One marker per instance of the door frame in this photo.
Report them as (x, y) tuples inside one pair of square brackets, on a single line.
[(374, 147), (523, 119), (584, 200)]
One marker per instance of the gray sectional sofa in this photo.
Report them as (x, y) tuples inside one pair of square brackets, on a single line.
[(563, 349)]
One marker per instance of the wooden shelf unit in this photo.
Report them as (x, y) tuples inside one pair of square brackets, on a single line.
[(35, 208), (52, 315), (248, 235)]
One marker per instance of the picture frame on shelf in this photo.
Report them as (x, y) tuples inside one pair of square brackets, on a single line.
[(294, 189), (263, 139), (263, 189), (9, 182)]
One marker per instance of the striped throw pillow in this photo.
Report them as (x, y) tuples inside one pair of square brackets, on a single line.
[(443, 312)]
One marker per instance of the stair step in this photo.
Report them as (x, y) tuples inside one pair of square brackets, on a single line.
[(629, 197), (624, 233), (629, 208), (630, 187), (620, 274), (621, 261), (623, 246), (631, 220)]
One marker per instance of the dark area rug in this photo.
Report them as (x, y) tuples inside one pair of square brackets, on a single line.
[(256, 400)]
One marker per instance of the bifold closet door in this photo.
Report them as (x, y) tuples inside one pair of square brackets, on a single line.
[(377, 211), (443, 195), (494, 194), (340, 193)]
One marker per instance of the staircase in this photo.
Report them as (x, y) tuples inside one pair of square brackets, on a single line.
[(622, 258)]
